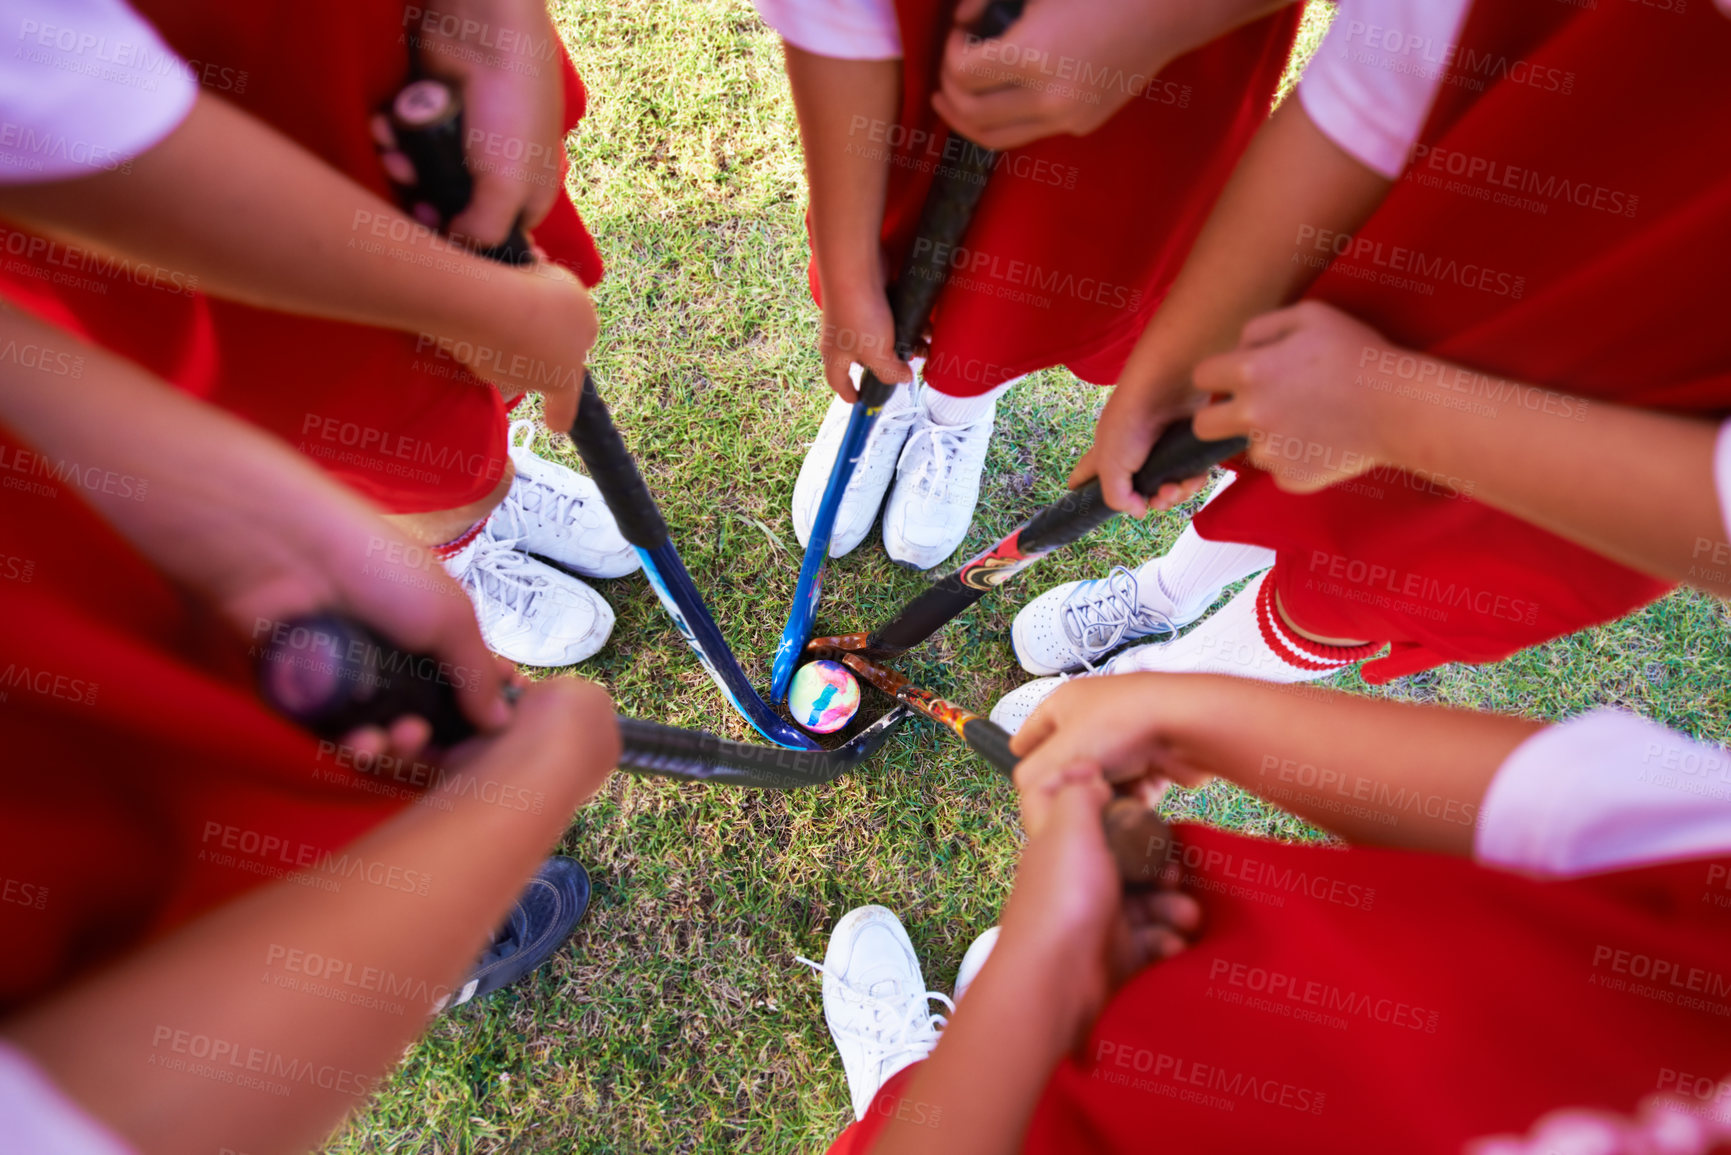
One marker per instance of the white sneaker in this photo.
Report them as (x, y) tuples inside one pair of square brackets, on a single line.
[(937, 487), (528, 611), (978, 952), (1071, 626), (558, 513), (1014, 708), (871, 476), (874, 1000)]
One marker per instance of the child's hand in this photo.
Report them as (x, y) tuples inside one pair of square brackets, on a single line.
[(1004, 94), (544, 346), (1116, 723), (562, 735), (513, 110), (1069, 916), (857, 326), (1305, 385), (1123, 435)]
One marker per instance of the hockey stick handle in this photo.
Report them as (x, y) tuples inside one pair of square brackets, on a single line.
[(1177, 454), (331, 674), (615, 471), (944, 218), (427, 120)]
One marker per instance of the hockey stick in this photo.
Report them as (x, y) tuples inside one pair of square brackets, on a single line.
[(331, 674), (427, 119), (1176, 455), (949, 206)]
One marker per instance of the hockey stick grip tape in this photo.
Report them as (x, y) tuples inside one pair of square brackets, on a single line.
[(610, 464), (1177, 454)]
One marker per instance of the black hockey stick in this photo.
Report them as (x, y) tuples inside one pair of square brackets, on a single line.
[(331, 674), (1176, 455)]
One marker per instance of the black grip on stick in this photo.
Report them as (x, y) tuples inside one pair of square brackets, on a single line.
[(615, 472), (331, 674), (1176, 455), (991, 742), (427, 120)]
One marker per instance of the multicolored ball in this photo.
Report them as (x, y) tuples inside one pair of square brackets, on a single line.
[(823, 696)]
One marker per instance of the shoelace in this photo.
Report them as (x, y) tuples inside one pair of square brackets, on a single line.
[(931, 479), (897, 1026), (500, 571), (529, 497), (1115, 610), (890, 421)]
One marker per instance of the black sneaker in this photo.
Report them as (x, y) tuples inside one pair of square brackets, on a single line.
[(543, 918)]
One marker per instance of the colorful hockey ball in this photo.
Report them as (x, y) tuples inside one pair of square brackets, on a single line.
[(823, 696)]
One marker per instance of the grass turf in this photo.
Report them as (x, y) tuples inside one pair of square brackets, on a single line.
[(677, 1019)]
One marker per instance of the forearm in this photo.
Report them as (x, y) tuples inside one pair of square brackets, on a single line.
[(1291, 179), (846, 110), (1373, 771), (1634, 485), (226, 1035), (978, 1090), (255, 218)]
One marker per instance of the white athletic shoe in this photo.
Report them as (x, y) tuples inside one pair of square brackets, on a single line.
[(978, 952), (558, 513), (528, 611), (1072, 626), (874, 1000), (1014, 708), (937, 487), (871, 476)]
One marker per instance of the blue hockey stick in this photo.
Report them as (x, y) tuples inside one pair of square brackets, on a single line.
[(950, 204), (633, 507)]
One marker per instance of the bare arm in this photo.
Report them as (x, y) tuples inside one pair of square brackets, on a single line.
[(1325, 397), (1006, 99), (255, 218), (847, 113), (1373, 771), (1292, 179), (206, 1041)]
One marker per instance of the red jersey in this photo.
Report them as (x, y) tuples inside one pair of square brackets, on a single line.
[(383, 411), (1076, 239), (1556, 232)]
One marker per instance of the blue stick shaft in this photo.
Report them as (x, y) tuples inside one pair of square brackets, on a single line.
[(809, 591), (666, 573)]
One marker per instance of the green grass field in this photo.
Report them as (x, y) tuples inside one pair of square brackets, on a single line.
[(677, 1019)]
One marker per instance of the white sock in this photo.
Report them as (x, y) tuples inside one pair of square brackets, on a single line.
[(947, 410), (1193, 572), (1227, 642)]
